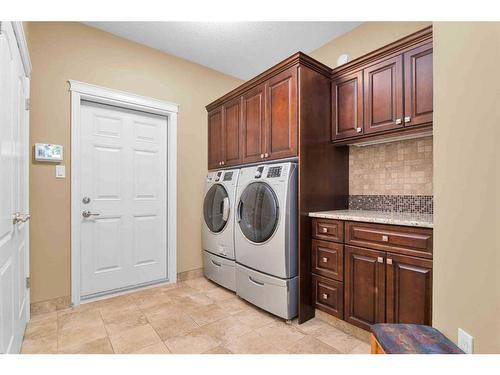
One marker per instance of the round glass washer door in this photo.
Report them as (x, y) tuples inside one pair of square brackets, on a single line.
[(216, 208), (258, 212)]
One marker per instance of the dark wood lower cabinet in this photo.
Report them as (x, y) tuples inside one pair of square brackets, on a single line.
[(328, 295), (364, 283), (409, 290)]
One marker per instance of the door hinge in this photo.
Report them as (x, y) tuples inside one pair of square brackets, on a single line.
[(27, 104), (28, 283)]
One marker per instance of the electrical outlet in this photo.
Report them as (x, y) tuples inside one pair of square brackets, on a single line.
[(465, 341)]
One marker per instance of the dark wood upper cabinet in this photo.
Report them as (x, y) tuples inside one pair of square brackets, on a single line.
[(383, 96), (418, 86), (364, 283), (215, 138), (395, 84), (281, 119), (409, 290), (253, 124), (347, 106), (232, 133)]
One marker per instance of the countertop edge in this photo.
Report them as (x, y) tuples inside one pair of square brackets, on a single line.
[(381, 220)]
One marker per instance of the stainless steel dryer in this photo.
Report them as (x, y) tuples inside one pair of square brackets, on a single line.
[(218, 227), (266, 237)]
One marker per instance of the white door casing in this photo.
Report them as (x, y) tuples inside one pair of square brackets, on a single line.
[(124, 161), (15, 69)]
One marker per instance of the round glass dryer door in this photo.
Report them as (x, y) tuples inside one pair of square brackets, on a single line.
[(216, 208), (258, 212)]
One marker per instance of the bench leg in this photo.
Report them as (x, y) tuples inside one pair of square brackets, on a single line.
[(376, 348)]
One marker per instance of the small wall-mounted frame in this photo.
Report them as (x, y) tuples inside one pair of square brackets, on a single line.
[(48, 152)]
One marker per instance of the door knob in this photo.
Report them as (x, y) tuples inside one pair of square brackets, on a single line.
[(87, 213), (20, 218)]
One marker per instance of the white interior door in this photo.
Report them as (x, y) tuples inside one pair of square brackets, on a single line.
[(14, 230), (123, 189)]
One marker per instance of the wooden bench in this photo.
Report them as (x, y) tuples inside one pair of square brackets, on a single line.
[(410, 339)]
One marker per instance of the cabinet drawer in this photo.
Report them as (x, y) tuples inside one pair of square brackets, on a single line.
[(328, 259), (328, 295), (397, 239), (329, 230)]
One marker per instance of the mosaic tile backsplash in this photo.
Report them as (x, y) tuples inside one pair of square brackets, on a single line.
[(397, 168), (422, 204)]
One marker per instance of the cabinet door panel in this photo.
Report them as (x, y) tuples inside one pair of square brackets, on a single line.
[(347, 106), (418, 85), (281, 120), (253, 140), (364, 282), (215, 138), (232, 132), (409, 290), (384, 95)]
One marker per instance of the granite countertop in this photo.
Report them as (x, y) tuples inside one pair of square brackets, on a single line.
[(381, 217)]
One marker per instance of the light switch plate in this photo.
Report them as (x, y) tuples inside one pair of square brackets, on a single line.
[(465, 341), (60, 171)]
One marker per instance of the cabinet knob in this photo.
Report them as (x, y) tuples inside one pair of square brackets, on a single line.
[(398, 121), (266, 155), (380, 259), (385, 238), (325, 260), (222, 162), (262, 156), (358, 130), (324, 230), (389, 261), (324, 295), (407, 118)]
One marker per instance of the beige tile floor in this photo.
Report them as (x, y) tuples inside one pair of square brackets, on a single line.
[(193, 316)]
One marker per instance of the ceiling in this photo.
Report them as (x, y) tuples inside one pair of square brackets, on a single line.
[(240, 49)]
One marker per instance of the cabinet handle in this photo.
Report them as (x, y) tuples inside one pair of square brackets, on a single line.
[(398, 121), (407, 118), (380, 259), (266, 155), (325, 260), (325, 296), (358, 130), (324, 230), (262, 156), (385, 238), (389, 261)]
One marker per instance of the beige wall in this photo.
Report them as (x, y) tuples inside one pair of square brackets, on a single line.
[(62, 51), (466, 135), (394, 168)]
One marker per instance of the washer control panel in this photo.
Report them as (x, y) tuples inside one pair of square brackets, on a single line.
[(258, 172), (274, 172)]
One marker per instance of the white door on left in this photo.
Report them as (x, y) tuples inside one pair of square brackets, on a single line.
[(122, 205), (14, 225)]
